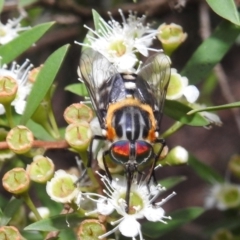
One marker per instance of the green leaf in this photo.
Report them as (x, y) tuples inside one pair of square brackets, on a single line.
[(1, 5), (214, 108), (204, 171), (179, 218), (178, 111), (9, 210), (43, 82), (97, 22), (210, 52), (226, 9), (17, 46), (172, 181), (56, 223), (77, 88)]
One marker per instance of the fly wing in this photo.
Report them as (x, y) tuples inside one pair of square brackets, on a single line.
[(95, 70), (156, 73)]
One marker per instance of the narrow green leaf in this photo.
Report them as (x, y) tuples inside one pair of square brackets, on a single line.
[(1, 5), (226, 9), (178, 111), (210, 52), (32, 235), (179, 218), (172, 181), (204, 171), (56, 223), (215, 108), (43, 82), (9, 210), (17, 46), (97, 22), (77, 88)]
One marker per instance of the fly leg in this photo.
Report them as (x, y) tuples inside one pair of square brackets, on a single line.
[(151, 174)]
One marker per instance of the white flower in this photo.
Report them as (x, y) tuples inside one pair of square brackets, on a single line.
[(119, 42), (178, 87), (223, 196), (10, 30), (141, 205), (62, 187), (20, 74)]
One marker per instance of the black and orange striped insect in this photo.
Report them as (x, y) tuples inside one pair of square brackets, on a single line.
[(129, 108)]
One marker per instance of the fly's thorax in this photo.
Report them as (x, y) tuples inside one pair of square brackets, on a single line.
[(130, 120)]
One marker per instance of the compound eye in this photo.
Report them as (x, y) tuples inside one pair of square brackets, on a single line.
[(120, 151), (143, 151)]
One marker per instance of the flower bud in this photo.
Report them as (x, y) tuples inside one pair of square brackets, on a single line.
[(41, 169), (222, 234), (90, 229), (78, 135), (16, 181), (78, 112), (40, 116), (171, 36), (62, 187), (10, 233), (176, 156), (20, 139), (32, 75), (4, 153), (157, 148), (8, 89), (234, 165)]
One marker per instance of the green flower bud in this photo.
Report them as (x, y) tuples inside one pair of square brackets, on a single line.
[(222, 234), (171, 36), (78, 112), (40, 116), (78, 135), (20, 139), (32, 75), (176, 156), (234, 165), (8, 89), (16, 181), (90, 229), (4, 153), (157, 148), (10, 233), (41, 169)]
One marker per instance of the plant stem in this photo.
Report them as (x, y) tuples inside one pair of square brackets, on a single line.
[(30, 204), (53, 122), (176, 126), (8, 111)]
